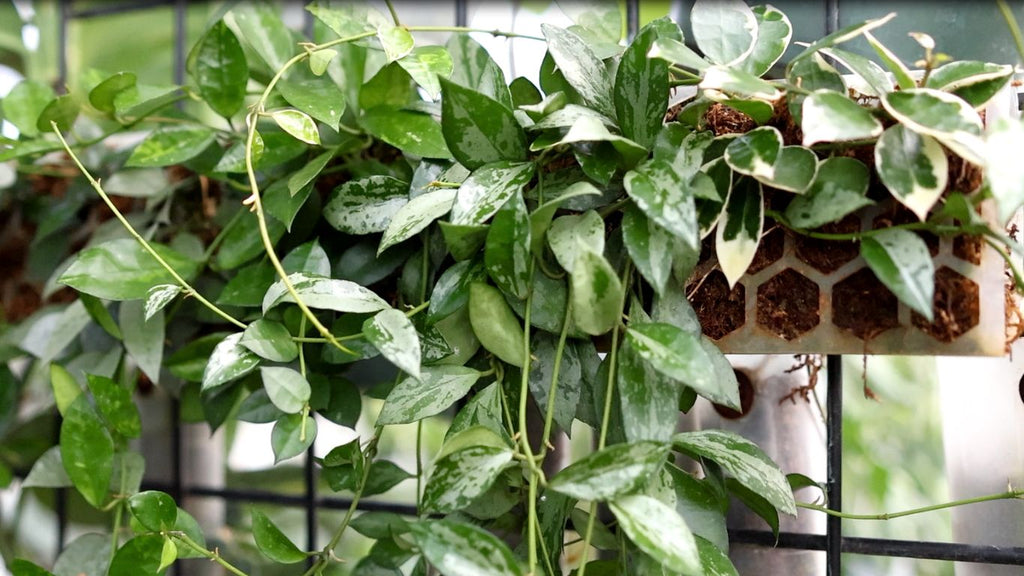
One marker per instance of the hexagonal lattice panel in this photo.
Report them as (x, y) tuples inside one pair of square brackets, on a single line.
[(805, 295)]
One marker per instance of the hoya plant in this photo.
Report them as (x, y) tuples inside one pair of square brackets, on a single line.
[(308, 224)]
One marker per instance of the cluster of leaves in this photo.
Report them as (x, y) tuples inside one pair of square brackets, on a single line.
[(488, 240)]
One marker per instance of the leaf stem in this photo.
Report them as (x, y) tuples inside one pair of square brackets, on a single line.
[(1011, 495), (1011, 23), (190, 291), (210, 554), (394, 14), (609, 390)]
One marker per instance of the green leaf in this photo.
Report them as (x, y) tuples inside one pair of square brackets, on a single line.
[(458, 549), (115, 404), (540, 218), (48, 471), (756, 503), (347, 18), (714, 561), (158, 297), (366, 206), (62, 111), (324, 293), (384, 475), (451, 291), (229, 361), (842, 35), (869, 78), (411, 132), (103, 94), (672, 50), (495, 324), (260, 26), (568, 233), (219, 68), (414, 216), (641, 90), (507, 249), (291, 436), (396, 40), (794, 170), (315, 95), (544, 349), (310, 258), (286, 388), (392, 333), (271, 340), (581, 68), (904, 79), (942, 116), (616, 470), (975, 82), (474, 68), (437, 388), (51, 333), (487, 189), (900, 259), (87, 555), (168, 555), (913, 167), (755, 153), (23, 105), (463, 476), (739, 230), (21, 567), (812, 74), (742, 459), (140, 101), (463, 241), (1005, 175), (87, 451), (155, 510), (833, 117), (143, 339), (139, 556), (724, 30), (298, 124), (427, 65), (659, 531), (478, 129), (99, 313), (65, 387), (189, 362), (123, 270), (588, 128), (839, 189), (680, 355), (737, 83), (272, 542), (774, 32), (649, 246), (187, 524), (170, 145), (663, 196), (596, 293), (649, 400)]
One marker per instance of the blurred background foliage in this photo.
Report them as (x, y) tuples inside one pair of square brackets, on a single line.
[(893, 454)]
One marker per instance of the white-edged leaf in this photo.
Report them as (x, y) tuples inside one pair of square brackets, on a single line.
[(755, 152), (659, 531), (833, 117), (393, 335), (900, 259), (738, 83), (414, 216), (324, 293), (794, 170), (437, 388), (976, 82), (739, 229), (913, 167), (159, 296), (941, 115), (904, 79), (298, 124), (674, 51), (229, 361), (875, 81), (725, 30), (744, 461), (614, 471), (843, 35), (774, 32), (839, 188), (487, 189), (1005, 170), (287, 389), (463, 476)]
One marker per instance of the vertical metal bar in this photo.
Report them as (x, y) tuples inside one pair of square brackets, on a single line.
[(309, 478), (63, 15), (632, 18), (180, 40), (60, 497), (834, 435), (462, 12), (177, 485), (831, 16)]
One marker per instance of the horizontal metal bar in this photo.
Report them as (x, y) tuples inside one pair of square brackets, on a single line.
[(118, 8), (953, 551)]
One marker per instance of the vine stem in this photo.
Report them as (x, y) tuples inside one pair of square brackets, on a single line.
[(609, 390), (210, 554), (1011, 23), (524, 436), (928, 226), (549, 416), (1011, 495), (138, 237)]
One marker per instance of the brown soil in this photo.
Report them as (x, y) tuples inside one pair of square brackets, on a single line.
[(863, 305), (747, 394), (968, 248), (769, 250), (788, 305), (722, 119), (964, 177), (956, 306), (719, 309), (827, 256)]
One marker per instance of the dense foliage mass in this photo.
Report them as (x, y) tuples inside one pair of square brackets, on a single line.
[(497, 244)]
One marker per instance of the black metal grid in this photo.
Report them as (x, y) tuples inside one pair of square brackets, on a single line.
[(833, 543)]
